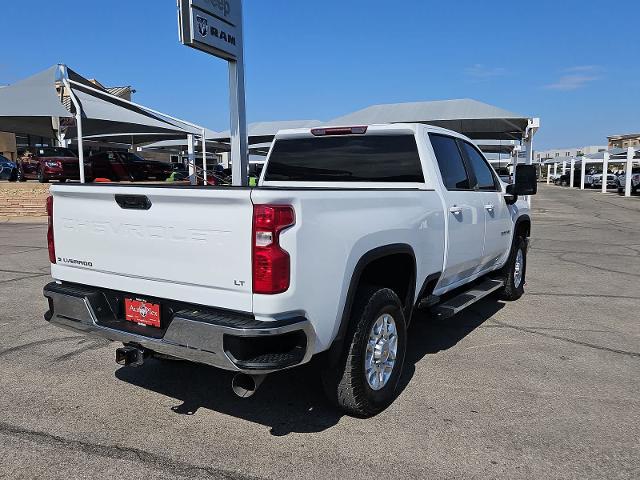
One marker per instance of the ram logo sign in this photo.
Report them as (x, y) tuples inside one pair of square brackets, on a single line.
[(213, 26), (203, 26)]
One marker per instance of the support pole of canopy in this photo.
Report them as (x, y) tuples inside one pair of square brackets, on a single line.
[(239, 138), (555, 170), (514, 160), (583, 172), (548, 174), (204, 156), (76, 104), (532, 128), (564, 167), (573, 169), (605, 169), (628, 172), (191, 152)]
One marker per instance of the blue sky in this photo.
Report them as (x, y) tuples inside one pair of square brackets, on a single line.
[(575, 64)]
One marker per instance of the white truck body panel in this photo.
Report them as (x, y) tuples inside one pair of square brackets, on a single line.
[(333, 232)]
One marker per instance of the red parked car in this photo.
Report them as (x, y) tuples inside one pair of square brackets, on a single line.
[(125, 166), (48, 163)]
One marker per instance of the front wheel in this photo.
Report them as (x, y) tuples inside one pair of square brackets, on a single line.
[(366, 379), (515, 271), (42, 178)]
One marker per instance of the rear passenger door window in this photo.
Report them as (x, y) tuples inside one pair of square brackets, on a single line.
[(452, 168), (485, 179)]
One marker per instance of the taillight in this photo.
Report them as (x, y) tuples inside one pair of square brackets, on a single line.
[(50, 241), (271, 264)]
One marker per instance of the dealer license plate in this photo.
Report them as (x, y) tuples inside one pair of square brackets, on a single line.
[(142, 312)]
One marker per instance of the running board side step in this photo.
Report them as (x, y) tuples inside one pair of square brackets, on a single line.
[(465, 299)]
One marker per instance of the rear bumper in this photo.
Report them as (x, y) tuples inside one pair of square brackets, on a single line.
[(222, 339)]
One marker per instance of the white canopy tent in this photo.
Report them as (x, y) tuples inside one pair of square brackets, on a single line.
[(474, 119), (614, 155), (36, 106), (28, 106)]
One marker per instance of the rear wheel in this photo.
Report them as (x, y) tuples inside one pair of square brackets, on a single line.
[(14, 175), (366, 378), (515, 271)]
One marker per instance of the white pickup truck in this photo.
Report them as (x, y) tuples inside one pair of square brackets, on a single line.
[(349, 232)]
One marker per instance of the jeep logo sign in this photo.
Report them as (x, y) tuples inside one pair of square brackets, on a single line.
[(214, 26), (221, 6)]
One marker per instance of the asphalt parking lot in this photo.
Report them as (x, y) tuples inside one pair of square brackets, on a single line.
[(547, 387)]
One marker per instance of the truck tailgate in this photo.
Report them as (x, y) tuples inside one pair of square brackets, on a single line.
[(185, 244)]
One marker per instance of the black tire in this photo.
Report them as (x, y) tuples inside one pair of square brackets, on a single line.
[(346, 385), (42, 177), (62, 180), (14, 175), (513, 290)]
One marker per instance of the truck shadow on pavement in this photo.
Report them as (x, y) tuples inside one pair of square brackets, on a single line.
[(291, 401)]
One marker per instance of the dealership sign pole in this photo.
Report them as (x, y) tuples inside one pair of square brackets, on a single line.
[(215, 27)]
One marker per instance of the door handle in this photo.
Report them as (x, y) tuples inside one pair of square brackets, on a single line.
[(490, 207), (456, 210), (133, 202)]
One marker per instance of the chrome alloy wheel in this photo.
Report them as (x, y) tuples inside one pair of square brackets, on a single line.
[(518, 268), (382, 348)]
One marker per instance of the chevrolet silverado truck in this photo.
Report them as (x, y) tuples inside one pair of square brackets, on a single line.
[(349, 231)]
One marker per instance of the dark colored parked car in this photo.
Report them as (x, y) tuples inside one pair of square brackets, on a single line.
[(48, 163), (565, 179), (8, 169), (125, 166)]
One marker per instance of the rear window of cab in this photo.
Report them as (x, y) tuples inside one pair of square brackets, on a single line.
[(351, 158)]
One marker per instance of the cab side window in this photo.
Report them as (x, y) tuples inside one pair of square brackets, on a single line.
[(484, 176), (452, 168)]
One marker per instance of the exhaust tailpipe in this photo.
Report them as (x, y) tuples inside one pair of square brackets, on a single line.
[(130, 356), (244, 386)]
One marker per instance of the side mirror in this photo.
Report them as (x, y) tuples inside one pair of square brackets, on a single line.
[(525, 181)]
